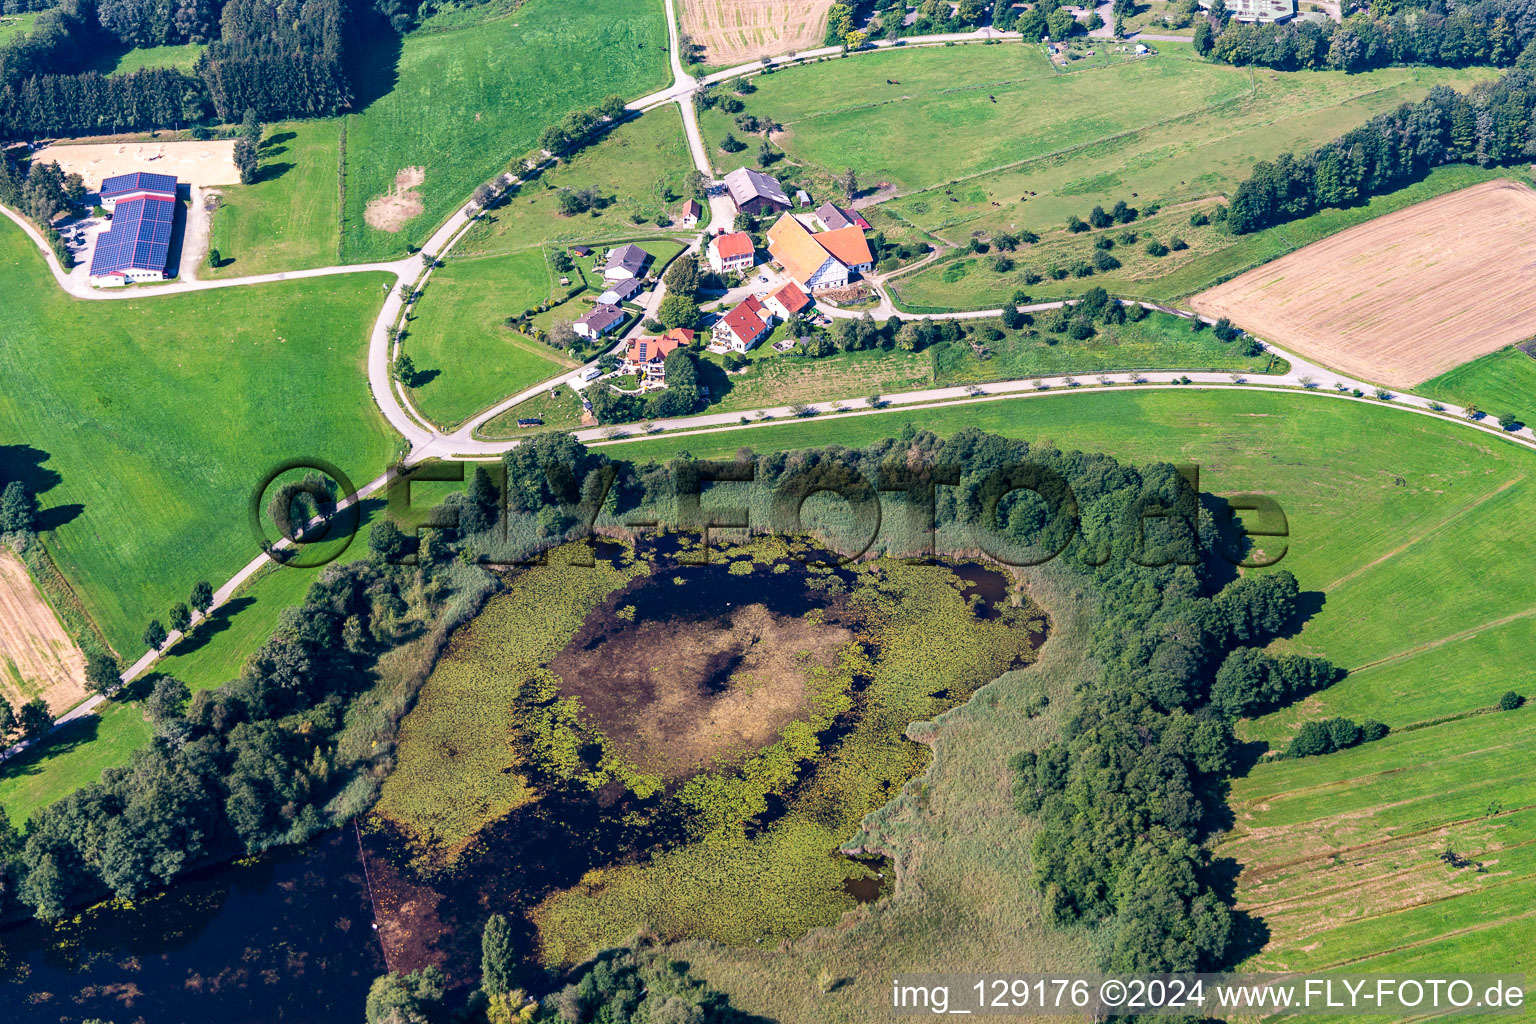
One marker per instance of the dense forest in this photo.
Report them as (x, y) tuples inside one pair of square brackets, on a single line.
[(1489, 125), (279, 59)]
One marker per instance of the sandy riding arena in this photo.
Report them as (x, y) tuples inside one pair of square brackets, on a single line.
[(200, 163), (736, 31), (37, 658), (1402, 298)]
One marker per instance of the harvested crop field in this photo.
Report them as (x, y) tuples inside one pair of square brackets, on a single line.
[(1402, 298), (37, 658), (735, 31), (201, 163)]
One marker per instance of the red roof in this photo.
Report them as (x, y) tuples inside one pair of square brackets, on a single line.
[(692, 208), (645, 350), (744, 321), (791, 298), (734, 245)]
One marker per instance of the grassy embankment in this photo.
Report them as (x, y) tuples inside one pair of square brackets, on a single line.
[(1410, 530), (473, 89)]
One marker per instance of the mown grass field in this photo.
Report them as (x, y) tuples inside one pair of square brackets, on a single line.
[(289, 218), (469, 96), (1411, 530), (466, 356), (1499, 383), (159, 414), (639, 169)]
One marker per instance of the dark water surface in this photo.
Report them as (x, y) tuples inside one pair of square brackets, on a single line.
[(288, 937)]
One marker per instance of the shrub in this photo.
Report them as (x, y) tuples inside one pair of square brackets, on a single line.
[(1510, 701), (1373, 730), (1156, 248), (1075, 224)]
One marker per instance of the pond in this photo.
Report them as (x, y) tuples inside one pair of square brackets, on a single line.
[(286, 937), (299, 935)]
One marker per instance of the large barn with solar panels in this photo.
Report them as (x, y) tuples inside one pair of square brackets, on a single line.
[(137, 246)]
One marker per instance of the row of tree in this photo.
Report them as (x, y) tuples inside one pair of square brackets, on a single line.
[(1488, 125), (1487, 32), (579, 127)]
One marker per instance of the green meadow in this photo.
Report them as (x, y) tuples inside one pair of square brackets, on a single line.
[(152, 418), (1499, 383), (1026, 147), (638, 170), (289, 218), (469, 95), (13, 25), (465, 356), (182, 57)]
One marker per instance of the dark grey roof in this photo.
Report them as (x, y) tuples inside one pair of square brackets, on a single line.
[(625, 288), (631, 257), (745, 184), (600, 318), (832, 217)]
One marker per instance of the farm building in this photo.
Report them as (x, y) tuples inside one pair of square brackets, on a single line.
[(137, 247), (598, 321), (815, 261), (122, 187), (787, 301), (1258, 10), (741, 328), (733, 252), (756, 193), (625, 262), (834, 217), (620, 291), (690, 213)]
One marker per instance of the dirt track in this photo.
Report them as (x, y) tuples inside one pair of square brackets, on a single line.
[(1402, 298), (34, 645)]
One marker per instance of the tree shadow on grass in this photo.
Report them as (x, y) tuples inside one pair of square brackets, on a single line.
[(268, 144), (216, 623), (271, 172), (57, 743), (374, 66), (25, 463)]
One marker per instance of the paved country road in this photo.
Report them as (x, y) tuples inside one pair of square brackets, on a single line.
[(426, 442)]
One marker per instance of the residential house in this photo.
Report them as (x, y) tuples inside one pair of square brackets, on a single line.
[(756, 193), (647, 357), (690, 213), (808, 261), (834, 217), (787, 301), (624, 262), (620, 292), (731, 253), (598, 321), (741, 328), (849, 246)]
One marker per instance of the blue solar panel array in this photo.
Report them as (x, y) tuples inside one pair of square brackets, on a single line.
[(139, 239), (123, 183)]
